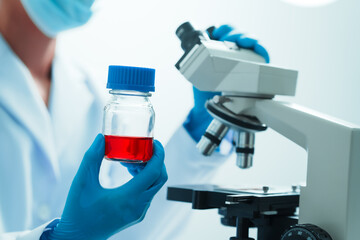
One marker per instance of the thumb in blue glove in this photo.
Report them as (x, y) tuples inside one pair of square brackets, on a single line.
[(92, 212)]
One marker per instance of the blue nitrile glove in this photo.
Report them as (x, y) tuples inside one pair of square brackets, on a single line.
[(199, 119), (225, 33), (134, 169), (92, 212)]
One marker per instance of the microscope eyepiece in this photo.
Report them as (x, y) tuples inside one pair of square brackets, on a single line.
[(188, 36), (183, 29)]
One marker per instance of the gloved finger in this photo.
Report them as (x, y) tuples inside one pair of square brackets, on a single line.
[(148, 176), (262, 52), (231, 37), (149, 194), (134, 168), (161, 180), (245, 42), (93, 157), (221, 31), (88, 172)]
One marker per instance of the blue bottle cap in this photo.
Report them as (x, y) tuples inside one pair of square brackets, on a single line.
[(131, 78)]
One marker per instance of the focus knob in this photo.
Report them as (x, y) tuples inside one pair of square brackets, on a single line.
[(305, 232)]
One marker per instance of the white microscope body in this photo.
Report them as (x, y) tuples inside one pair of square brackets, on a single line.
[(331, 197)]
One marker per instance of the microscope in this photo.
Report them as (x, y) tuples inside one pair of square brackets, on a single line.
[(328, 207)]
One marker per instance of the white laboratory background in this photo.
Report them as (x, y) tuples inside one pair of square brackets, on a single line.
[(320, 39)]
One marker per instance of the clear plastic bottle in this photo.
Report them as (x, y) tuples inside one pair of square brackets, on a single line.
[(129, 116)]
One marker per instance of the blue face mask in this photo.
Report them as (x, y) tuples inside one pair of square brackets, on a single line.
[(54, 16)]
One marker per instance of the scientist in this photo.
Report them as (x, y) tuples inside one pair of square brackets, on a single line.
[(50, 110)]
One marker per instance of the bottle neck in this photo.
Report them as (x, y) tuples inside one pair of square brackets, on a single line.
[(130, 93)]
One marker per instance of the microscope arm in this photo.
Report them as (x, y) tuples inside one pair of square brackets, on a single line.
[(331, 198)]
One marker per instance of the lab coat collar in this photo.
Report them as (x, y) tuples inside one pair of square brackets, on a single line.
[(19, 97)]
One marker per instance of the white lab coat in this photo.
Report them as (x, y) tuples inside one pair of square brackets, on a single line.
[(41, 149)]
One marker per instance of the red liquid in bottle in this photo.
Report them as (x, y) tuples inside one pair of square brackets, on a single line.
[(129, 149)]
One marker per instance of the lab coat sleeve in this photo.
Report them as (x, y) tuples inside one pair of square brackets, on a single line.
[(25, 235), (185, 165)]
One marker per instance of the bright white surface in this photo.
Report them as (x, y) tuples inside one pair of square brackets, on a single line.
[(322, 43), (309, 3)]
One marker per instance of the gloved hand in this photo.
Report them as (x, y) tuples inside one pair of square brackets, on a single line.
[(199, 119), (92, 212), (225, 33)]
